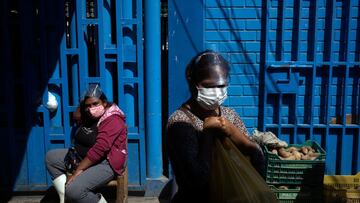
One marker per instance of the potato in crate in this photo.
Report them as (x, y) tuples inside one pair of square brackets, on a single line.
[(342, 188), (296, 164)]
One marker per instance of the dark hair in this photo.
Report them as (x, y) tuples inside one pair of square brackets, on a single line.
[(203, 62)]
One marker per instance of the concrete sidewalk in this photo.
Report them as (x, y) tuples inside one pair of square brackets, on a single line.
[(50, 196), (37, 199)]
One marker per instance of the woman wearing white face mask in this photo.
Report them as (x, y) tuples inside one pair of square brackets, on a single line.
[(98, 154), (189, 143)]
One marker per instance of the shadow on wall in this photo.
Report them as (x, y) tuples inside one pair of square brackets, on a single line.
[(288, 34), (239, 54), (249, 61), (31, 34)]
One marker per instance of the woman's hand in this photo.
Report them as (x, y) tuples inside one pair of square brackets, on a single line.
[(84, 164), (219, 124), (213, 126), (212, 122), (73, 176)]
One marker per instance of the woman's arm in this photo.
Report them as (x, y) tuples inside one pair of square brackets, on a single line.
[(189, 152), (227, 128), (84, 164), (256, 154), (108, 131)]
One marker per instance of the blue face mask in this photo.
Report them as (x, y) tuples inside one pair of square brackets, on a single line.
[(211, 98)]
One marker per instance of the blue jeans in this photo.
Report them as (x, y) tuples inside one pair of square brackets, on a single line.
[(82, 188)]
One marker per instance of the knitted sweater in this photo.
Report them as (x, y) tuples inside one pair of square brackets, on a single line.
[(184, 140)]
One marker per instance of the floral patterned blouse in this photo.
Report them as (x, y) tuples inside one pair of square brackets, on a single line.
[(184, 140)]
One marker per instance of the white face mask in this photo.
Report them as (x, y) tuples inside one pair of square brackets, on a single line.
[(211, 98)]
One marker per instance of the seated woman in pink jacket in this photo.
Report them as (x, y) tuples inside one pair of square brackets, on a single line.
[(100, 144)]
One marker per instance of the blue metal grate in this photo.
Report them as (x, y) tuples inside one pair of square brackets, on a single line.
[(311, 77)]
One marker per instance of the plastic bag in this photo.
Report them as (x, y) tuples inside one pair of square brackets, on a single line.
[(234, 179), (52, 103), (268, 138)]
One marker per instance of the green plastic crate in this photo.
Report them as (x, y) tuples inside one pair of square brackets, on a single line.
[(299, 194), (295, 172)]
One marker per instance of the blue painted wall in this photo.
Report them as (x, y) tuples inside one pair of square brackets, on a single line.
[(294, 67), (186, 38)]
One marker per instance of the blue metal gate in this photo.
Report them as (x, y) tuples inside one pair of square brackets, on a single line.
[(311, 77), (61, 47)]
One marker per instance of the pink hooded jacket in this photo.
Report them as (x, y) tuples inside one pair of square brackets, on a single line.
[(111, 141)]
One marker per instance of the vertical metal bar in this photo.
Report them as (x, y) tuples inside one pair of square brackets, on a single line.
[(127, 9), (293, 98), (73, 43), (283, 30), (299, 31), (331, 142), (75, 79), (294, 117), (348, 21), (267, 48), (104, 21), (297, 139), (266, 54), (280, 113), (347, 140), (83, 58), (119, 56), (332, 33), (313, 70), (73, 24), (127, 6), (153, 88), (108, 80), (348, 11), (140, 68)]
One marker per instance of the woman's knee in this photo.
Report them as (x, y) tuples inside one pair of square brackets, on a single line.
[(75, 192), (54, 156), (49, 157)]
